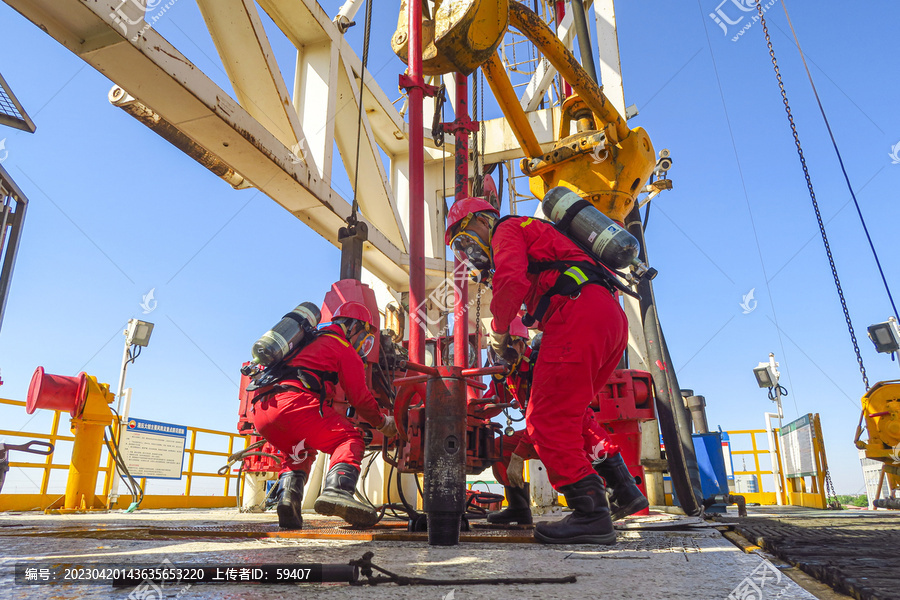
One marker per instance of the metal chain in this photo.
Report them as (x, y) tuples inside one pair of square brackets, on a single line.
[(830, 492), (481, 133), (476, 181), (812, 195), (478, 316)]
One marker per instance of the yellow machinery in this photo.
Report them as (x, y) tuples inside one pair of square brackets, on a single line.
[(609, 175), (602, 160), (87, 401), (460, 36), (881, 411)]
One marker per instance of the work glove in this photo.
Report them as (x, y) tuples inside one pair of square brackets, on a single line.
[(388, 428), (508, 354), (499, 343), (515, 472)]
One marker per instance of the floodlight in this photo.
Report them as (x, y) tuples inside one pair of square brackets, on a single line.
[(765, 378), (886, 336), (138, 332)]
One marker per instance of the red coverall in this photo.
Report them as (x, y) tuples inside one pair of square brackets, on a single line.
[(290, 420), (597, 442), (584, 338)]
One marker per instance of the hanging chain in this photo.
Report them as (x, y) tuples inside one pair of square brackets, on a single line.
[(830, 493), (478, 316), (481, 135), (476, 180), (815, 203)]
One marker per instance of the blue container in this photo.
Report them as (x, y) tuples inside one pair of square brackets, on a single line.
[(711, 463)]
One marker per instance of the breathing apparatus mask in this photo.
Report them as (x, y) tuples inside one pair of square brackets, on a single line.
[(360, 336), (469, 248)]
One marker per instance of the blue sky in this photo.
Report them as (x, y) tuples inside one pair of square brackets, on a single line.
[(116, 211)]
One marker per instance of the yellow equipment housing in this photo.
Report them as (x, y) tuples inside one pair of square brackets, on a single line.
[(460, 36), (881, 408), (607, 174)]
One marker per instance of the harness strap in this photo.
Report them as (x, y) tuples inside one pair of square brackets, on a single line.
[(571, 279), (314, 380), (311, 379), (275, 389)]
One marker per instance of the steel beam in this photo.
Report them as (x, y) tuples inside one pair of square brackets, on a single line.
[(248, 59), (315, 75), (154, 71), (608, 43), (375, 193)]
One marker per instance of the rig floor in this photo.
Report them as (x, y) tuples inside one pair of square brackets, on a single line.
[(658, 557)]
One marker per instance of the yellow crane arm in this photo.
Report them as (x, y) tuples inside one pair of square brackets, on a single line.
[(534, 28), (501, 86)]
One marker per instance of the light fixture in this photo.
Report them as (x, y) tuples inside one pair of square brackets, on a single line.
[(765, 377), (138, 332), (473, 354), (886, 336)]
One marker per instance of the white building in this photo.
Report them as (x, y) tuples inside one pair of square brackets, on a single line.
[(871, 473)]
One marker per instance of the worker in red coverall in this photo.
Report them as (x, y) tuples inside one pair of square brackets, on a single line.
[(625, 497), (585, 334), (299, 420)]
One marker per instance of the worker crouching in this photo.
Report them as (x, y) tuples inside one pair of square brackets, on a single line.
[(585, 334), (299, 420)]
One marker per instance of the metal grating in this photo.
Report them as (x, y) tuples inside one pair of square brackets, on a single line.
[(852, 551), (11, 111)]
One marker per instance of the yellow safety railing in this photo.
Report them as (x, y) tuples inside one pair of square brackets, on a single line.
[(44, 499), (762, 496)]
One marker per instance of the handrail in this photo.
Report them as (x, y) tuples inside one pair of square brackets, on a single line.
[(44, 498)]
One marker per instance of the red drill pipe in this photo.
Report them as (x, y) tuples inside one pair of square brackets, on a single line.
[(416, 185), (461, 190)]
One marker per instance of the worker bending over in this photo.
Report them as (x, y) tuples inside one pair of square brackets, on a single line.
[(299, 419), (585, 335), (625, 498)]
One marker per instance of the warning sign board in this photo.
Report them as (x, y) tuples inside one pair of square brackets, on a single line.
[(153, 450)]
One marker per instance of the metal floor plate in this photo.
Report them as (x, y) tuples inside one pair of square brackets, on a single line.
[(855, 551)]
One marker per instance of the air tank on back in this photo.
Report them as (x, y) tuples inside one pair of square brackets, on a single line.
[(606, 239), (276, 343)]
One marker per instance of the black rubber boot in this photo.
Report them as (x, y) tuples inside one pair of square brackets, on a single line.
[(518, 508), (589, 524), (289, 505), (337, 499), (625, 498)]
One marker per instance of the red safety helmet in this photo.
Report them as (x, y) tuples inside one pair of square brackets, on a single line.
[(462, 209), (354, 310), (517, 328)]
